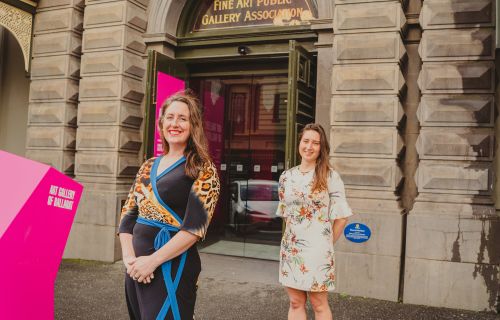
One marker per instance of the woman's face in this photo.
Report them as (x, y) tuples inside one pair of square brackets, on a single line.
[(176, 125), (310, 145)]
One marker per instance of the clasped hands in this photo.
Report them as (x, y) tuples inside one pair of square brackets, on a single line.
[(141, 268)]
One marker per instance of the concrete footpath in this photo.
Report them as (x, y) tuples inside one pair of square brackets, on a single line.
[(230, 288)]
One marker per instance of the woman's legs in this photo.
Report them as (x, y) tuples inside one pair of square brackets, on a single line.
[(319, 302), (297, 309)]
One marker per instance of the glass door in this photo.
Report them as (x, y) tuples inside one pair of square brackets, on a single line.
[(245, 120)]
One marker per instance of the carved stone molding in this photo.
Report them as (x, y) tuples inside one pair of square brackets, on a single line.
[(20, 23)]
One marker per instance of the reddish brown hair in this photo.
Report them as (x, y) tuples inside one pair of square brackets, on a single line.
[(196, 151), (323, 166)]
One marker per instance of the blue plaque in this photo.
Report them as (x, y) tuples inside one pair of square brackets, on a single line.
[(357, 232)]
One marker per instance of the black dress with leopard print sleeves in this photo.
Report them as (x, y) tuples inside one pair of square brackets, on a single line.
[(174, 199)]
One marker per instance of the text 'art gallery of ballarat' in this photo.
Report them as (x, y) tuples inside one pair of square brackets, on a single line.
[(406, 89)]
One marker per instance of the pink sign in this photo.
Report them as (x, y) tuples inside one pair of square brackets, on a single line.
[(166, 85), (213, 112), (39, 205)]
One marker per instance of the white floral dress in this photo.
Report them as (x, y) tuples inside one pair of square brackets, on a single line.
[(307, 260)]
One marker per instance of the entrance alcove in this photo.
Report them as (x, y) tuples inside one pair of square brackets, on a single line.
[(258, 83), (14, 92)]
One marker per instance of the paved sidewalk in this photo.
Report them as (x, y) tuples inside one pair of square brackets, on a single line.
[(230, 288)]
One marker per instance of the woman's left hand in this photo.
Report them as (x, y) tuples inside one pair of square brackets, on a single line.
[(142, 267)]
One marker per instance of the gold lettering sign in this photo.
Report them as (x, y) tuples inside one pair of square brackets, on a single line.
[(220, 14)]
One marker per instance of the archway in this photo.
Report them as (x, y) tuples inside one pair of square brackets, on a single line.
[(241, 73), (14, 93)]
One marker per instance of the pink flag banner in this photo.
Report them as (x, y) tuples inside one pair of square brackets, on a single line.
[(39, 206), (166, 85)]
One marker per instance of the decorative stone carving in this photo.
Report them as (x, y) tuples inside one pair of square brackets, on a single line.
[(111, 38), (368, 48), (54, 4), (63, 161), (60, 138), (368, 17), (57, 44), (54, 89), (111, 87), (373, 142), (59, 20), (456, 143), (443, 14), (109, 113), (367, 79), (457, 110), (113, 62), (369, 174), (458, 77), (56, 67), (366, 110), (462, 44), (109, 164), (52, 113), (109, 138), (455, 177), (20, 24), (117, 13)]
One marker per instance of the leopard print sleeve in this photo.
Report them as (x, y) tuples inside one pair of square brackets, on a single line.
[(202, 200), (130, 209)]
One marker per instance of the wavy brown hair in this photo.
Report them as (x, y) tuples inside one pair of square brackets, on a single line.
[(196, 151), (323, 166)]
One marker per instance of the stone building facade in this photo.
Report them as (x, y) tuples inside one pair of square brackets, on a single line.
[(407, 89)]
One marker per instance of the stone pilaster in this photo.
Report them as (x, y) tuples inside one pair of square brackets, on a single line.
[(55, 74), (108, 138), (366, 145), (453, 231)]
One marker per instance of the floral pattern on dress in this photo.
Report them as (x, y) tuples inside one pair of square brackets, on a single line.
[(307, 260)]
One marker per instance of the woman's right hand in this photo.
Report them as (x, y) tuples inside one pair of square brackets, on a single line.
[(127, 261)]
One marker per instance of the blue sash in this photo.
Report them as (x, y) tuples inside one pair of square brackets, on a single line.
[(161, 239)]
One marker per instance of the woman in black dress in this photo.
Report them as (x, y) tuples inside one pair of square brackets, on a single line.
[(167, 211)]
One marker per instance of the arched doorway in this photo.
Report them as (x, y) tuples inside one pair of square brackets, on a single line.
[(14, 93), (256, 80)]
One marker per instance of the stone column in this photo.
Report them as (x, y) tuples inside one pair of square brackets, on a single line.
[(55, 71), (323, 26), (453, 232), (366, 145), (109, 120)]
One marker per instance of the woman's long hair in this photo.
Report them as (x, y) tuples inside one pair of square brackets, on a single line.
[(323, 167), (196, 151)]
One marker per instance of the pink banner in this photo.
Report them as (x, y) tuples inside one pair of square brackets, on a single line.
[(166, 85), (40, 204), (213, 112)]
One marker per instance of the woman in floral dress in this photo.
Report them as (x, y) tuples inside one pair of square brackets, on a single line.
[(313, 205)]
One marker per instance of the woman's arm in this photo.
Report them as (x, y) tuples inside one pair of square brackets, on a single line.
[(338, 228), (199, 211), (129, 214), (144, 266), (339, 208), (128, 253)]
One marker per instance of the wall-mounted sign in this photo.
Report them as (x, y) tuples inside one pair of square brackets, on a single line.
[(357, 232), (220, 14)]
